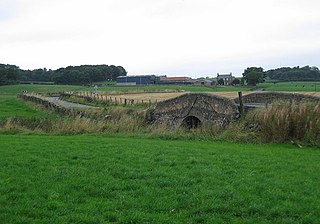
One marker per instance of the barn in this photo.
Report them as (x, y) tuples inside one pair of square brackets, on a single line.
[(137, 80)]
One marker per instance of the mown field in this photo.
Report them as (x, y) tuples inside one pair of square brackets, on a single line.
[(105, 179)]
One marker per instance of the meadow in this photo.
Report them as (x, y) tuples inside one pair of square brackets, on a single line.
[(121, 179), (130, 172)]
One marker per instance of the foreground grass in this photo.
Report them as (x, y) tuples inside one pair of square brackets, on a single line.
[(101, 179)]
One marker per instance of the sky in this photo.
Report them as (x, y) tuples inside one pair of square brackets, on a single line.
[(195, 38)]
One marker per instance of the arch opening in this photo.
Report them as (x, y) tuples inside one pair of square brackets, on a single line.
[(191, 122)]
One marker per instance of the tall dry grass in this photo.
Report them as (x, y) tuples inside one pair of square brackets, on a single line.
[(114, 120), (287, 121)]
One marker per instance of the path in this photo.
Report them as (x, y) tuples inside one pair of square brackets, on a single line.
[(64, 103)]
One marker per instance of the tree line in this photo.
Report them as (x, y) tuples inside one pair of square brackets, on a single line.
[(305, 73), (83, 74), (254, 75), (88, 74)]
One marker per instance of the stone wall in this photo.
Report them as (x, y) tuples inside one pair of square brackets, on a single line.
[(38, 99), (207, 108), (269, 97)]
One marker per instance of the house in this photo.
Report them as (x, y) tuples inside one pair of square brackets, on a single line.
[(226, 78)]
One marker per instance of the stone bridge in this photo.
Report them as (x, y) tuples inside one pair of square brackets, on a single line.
[(191, 110)]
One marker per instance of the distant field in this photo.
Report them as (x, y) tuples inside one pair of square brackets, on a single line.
[(292, 86), (289, 87), (101, 179), (15, 89), (186, 88), (164, 96)]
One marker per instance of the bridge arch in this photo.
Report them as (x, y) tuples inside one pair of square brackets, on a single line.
[(191, 122), (195, 109)]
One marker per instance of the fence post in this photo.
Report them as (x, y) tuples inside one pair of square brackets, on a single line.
[(240, 103)]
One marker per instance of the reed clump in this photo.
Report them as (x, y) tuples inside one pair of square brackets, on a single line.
[(287, 121)]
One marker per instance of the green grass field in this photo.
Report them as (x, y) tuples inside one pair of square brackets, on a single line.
[(11, 106), (124, 179), (105, 179), (291, 86), (16, 89), (283, 86)]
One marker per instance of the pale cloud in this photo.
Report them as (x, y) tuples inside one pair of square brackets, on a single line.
[(7, 10), (192, 37)]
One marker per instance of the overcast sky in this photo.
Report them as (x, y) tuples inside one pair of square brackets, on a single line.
[(173, 37)]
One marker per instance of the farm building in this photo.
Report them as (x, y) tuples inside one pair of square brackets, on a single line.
[(175, 80), (203, 82), (226, 78), (137, 80)]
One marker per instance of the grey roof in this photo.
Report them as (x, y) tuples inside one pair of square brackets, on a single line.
[(225, 76)]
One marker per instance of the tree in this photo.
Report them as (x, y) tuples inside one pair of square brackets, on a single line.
[(235, 81), (221, 82), (254, 75), (9, 74)]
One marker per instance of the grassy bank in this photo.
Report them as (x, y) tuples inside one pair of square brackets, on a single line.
[(11, 106), (103, 179)]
